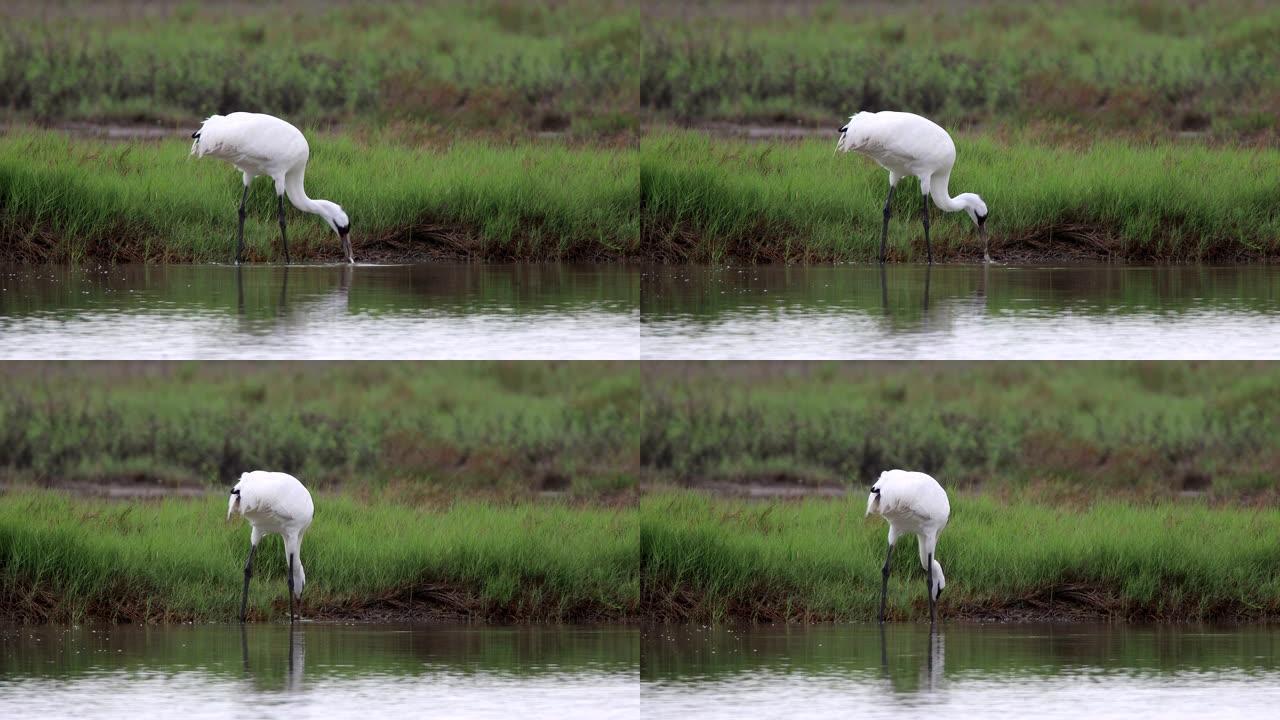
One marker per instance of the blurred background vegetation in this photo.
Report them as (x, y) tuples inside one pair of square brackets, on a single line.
[(488, 67), (415, 432), (1071, 69), (1062, 432)]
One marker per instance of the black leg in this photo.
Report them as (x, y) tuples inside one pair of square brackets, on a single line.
[(928, 248), (240, 234), (290, 588), (884, 581), (928, 582), (884, 230), (283, 238), (248, 572)]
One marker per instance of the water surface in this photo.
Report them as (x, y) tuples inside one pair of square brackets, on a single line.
[(961, 312), (467, 311), (319, 671), (964, 671)]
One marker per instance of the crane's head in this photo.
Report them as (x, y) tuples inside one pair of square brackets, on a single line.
[(233, 504), (853, 134), (338, 221), (846, 141), (975, 206), (873, 502), (939, 580), (334, 216)]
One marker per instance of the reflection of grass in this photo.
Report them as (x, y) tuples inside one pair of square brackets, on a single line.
[(70, 200), (498, 66), (962, 650), (714, 200), (708, 559), (275, 655), (1066, 431), (895, 293), (403, 429), (70, 560), (1154, 68), (277, 292)]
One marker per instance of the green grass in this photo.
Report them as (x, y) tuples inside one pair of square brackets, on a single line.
[(1060, 433), (1139, 67), (69, 200), (714, 200), (68, 560), (494, 67), (418, 432), (704, 560)]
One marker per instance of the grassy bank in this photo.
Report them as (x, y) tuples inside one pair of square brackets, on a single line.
[(705, 199), (1081, 67), (65, 560), (1060, 433), (69, 200), (497, 66), (408, 430), (704, 559)]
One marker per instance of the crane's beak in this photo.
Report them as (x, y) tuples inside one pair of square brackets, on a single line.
[(346, 246), (982, 233)]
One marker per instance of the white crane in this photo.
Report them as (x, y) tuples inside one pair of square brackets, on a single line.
[(912, 502), (260, 144), (274, 502), (909, 145)]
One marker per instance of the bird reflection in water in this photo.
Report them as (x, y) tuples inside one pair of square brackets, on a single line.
[(281, 303), (914, 676), (265, 670), (312, 299), (884, 291)]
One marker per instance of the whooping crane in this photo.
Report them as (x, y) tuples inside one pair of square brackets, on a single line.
[(260, 144), (273, 502), (912, 502), (907, 144)]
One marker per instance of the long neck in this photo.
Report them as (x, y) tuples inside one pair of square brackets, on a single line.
[(297, 195), (941, 198)]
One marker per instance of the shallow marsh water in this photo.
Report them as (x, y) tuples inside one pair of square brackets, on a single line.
[(961, 312), (435, 311), (474, 311), (319, 671), (1016, 670)]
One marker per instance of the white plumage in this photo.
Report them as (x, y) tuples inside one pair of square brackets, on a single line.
[(908, 145), (913, 503), (273, 502), (260, 144)]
